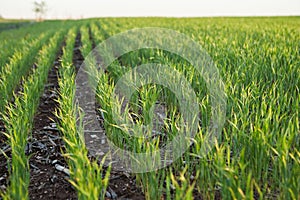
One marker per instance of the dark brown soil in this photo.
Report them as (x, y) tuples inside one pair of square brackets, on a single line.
[(3, 166), (45, 147)]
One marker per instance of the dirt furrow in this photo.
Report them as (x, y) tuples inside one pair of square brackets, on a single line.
[(45, 147)]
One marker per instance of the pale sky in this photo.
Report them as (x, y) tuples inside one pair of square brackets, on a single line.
[(176, 8)]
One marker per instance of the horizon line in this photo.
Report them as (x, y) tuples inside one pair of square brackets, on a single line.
[(156, 16)]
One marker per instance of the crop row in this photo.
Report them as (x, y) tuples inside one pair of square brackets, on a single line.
[(19, 119), (86, 175)]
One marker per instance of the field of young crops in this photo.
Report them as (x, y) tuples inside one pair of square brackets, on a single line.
[(45, 154)]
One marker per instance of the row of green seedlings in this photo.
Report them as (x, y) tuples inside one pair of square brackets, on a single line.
[(17, 39), (158, 183), (9, 46), (18, 66), (19, 119), (262, 79), (7, 49), (86, 176)]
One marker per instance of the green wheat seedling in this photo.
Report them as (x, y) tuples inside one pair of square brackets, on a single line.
[(86, 42), (86, 176), (18, 66), (19, 120), (182, 186), (14, 41)]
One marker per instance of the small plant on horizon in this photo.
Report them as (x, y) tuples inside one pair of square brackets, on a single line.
[(40, 9)]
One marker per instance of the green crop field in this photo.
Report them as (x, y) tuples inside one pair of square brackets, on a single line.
[(255, 156)]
